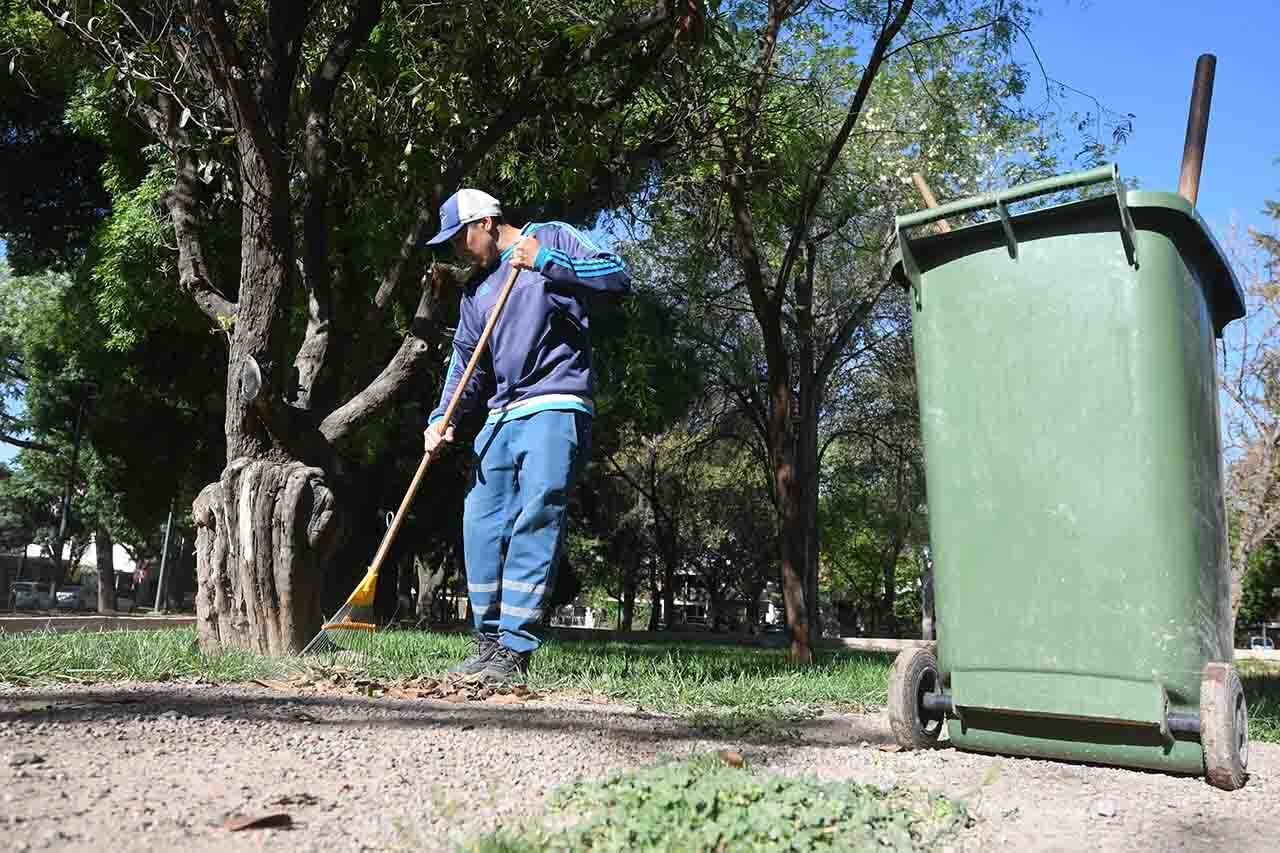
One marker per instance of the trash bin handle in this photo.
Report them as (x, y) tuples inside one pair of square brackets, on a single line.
[(1000, 201), (1058, 183)]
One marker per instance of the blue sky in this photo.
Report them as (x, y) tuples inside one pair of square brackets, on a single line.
[(1139, 56)]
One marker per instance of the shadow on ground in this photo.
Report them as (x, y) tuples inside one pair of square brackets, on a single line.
[(243, 704)]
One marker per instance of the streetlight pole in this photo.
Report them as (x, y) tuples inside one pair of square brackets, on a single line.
[(164, 554)]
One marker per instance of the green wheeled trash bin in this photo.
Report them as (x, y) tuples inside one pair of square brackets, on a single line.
[(1069, 415)]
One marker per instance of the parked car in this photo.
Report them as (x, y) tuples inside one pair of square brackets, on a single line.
[(31, 595), (1261, 643), (76, 597)]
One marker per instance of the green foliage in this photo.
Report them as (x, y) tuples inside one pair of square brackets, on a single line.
[(135, 271), (1258, 600), (703, 804), (51, 198), (646, 374), (143, 417), (28, 512)]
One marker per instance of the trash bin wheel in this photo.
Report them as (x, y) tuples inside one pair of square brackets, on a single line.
[(1224, 727), (914, 673)]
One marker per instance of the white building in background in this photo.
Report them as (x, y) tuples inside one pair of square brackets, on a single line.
[(121, 561)]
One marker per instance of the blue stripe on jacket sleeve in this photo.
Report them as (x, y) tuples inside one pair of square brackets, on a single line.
[(586, 267)]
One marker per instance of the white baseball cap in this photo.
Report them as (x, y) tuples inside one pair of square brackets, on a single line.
[(462, 207)]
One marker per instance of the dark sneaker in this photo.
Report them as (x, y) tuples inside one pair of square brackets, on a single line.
[(506, 667), (486, 647)]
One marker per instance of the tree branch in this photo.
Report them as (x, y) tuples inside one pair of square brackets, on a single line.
[(286, 21), (28, 445), (216, 41), (194, 275), (816, 189), (314, 381), (852, 321), (394, 379)]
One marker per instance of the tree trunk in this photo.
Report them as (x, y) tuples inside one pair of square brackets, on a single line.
[(753, 607), (1240, 553), (655, 603), (428, 583), (889, 602), (807, 475), (791, 523), (668, 577), (104, 545), (926, 595), (807, 438), (713, 606), (627, 614), (264, 534)]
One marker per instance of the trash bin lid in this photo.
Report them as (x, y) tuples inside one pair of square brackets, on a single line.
[(1126, 210)]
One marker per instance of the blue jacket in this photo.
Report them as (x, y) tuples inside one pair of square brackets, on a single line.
[(539, 354)]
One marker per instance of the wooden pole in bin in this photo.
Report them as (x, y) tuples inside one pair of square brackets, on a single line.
[(1197, 127), (927, 194)]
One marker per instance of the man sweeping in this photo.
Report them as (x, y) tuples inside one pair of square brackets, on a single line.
[(537, 436)]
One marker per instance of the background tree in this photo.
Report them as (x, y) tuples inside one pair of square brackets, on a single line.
[(1250, 381)]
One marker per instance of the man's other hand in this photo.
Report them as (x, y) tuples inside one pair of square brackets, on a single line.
[(525, 253), (433, 437)]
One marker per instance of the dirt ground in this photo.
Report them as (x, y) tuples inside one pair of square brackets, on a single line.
[(163, 767)]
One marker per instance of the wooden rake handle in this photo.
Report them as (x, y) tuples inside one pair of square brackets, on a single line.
[(448, 418)]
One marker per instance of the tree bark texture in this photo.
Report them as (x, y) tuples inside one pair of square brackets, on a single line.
[(791, 524), (926, 595), (811, 389), (627, 613), (263, 534), (429, 583), (103, 544), (655, 605)]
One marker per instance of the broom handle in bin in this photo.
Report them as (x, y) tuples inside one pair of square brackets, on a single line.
[(1197, 127), (448, 418)]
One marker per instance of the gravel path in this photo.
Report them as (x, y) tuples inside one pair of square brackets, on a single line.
[(162, 767)]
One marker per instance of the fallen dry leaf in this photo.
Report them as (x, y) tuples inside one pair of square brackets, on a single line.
[(890, 747), (733, 759), (266, 821), (274, 685)]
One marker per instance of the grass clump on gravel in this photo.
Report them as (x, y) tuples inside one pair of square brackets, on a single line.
[(704, 804)]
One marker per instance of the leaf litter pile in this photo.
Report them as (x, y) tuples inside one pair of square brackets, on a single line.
[(448, 688)]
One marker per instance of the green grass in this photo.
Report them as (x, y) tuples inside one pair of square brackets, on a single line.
[(726, 690), (44, 657), (702, 804), (660, 677), (1262, 692)]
